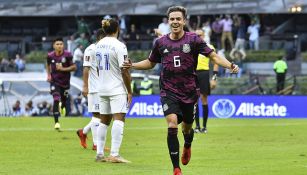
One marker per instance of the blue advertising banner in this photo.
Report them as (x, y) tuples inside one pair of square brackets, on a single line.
[(255, 106), (231, 106)]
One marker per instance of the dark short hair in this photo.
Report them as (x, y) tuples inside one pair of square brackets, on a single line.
[(100, 34), (109, 26), (57, 39), (177, 9)]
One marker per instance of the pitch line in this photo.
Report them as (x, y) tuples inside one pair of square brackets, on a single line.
[(157, 128)]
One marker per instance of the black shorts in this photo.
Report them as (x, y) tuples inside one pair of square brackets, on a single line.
[(204, 81), (58, 92), (184, 111)]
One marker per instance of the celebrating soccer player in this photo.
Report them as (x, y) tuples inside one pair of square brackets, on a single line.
[(178, 52)]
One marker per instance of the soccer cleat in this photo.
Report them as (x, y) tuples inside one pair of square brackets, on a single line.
[(177, 171), (62, 110), (82, 138), (204, 130), (117, 159), (94, 147), (57, 126), (100, 158), (186, 155), (197, 130)]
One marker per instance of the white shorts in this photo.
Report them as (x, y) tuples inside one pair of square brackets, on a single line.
[(113, 104), (93, 102)]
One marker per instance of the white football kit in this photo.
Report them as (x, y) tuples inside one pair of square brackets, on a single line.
[(110, 55), (89, 60)]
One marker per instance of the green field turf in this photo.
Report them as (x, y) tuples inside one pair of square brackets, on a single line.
[(30, 146)]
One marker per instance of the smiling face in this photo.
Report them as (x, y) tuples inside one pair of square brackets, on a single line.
[(176, 21)]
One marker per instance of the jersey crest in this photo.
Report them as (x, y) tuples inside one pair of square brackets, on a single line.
[(186, 48), (63, 60)]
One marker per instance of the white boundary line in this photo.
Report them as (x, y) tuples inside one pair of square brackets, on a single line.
[(155, 128)]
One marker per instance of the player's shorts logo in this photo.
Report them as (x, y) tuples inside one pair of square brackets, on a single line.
[(223, 108), (186, 48), (96, 106), (165, 107)]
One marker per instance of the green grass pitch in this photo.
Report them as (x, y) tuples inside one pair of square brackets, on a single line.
[(30, 146)]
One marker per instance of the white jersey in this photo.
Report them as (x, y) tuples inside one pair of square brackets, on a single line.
[(110, 54), (89, 60)]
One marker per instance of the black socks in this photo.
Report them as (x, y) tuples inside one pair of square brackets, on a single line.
[(173, 146)]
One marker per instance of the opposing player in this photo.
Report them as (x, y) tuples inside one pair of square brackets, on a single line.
[(59, 66), (90, 90), (205, 85), (114, 90), (178, 52)]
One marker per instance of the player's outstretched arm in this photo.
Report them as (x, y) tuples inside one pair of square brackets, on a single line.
[(224, 62), (143, 65)]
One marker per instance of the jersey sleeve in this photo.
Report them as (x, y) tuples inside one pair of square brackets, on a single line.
[(155, 55), (87, 58), (69, 59), (48, 60), (122, 54), (202, 47)]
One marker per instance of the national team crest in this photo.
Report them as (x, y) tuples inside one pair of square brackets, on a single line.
[(63, 60), (186, 48)]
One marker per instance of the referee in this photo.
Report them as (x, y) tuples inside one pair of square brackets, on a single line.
[(205, 85)]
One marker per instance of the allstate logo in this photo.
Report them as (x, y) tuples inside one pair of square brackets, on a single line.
[(223, 108)]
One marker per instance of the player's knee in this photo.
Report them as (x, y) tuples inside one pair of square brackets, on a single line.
[(172, 125)]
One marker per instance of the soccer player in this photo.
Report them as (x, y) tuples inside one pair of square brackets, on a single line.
[(114, 90), (205, 85), (178, 52), (59, 66), (90, 90)]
